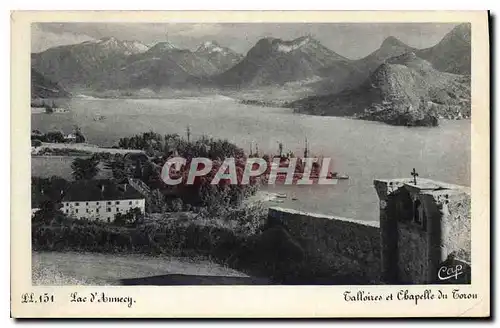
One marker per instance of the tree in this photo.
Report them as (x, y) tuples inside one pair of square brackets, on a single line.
[(85, 168), (133, 216), (80, 138), (55, 136), (35, 143), (138, 169), (176, 205), (147, 172), (117, 166), (120, 219), (49, 109), (157, 201), (49, 211), (188, 133)]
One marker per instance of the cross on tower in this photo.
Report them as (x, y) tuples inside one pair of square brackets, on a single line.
[(415, 175)]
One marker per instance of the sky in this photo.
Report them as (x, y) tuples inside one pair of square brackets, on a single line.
[(352, 40)]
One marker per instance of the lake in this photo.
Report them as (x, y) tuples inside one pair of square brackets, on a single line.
[(362, 149)]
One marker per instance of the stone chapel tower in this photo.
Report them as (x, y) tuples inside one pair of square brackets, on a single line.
[(425, 231)]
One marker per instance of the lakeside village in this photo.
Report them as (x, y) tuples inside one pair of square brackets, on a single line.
[(145, 173), (136, 211), (58, 137), (46, 106)]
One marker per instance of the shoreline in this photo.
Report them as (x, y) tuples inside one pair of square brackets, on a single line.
[(261, 196), (85, 147)]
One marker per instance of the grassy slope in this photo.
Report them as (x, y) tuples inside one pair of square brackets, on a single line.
[(71, 268), (41, 87)]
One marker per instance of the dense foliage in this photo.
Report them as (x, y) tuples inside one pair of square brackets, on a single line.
[(85, 168), (132, 217), (161, 148), (203, 235), (58, 136), (155, 144)]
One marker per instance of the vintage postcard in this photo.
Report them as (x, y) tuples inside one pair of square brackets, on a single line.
[(250, 164)]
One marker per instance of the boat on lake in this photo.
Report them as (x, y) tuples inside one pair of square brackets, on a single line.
[(338, 176)]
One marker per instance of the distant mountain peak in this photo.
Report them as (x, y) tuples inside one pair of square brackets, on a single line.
[(101, 41), (464, 27), (277, 61), (109, 42), (461, 31), (211, 46), (453, 53), (392, 41), (289, 46), (128, 47), (305, 39), (162, 46), (137, 46), (270, 44)]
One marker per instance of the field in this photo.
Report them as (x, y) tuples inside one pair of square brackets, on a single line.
[(71, 268), (47, 166)]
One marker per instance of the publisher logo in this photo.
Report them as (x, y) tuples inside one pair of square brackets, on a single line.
[(446, 272), (453, 271)]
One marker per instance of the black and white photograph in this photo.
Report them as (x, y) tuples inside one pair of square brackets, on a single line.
[(250, 153)]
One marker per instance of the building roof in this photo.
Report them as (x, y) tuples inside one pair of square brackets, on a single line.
[(46, 189), (96, 190)]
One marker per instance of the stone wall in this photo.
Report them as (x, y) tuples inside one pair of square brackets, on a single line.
[(422, 227), (413, 246), (337, 250), (450, 226)]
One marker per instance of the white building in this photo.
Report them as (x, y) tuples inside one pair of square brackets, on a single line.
[(100, 199), (70, 137)]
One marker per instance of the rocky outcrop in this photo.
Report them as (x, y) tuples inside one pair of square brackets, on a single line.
[(404, 90), (406, 117)]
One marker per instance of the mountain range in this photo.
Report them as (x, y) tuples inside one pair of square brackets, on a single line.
[(402, 85), (85, 64), (354, 85), (110, 63)]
